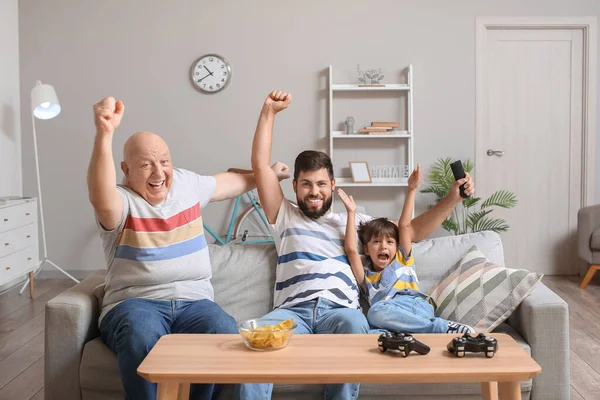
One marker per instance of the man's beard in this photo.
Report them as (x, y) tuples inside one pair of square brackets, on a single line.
[(315, 214)]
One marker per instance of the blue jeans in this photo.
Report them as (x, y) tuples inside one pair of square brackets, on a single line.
[(407, 312), (317, 316), (134, 326)]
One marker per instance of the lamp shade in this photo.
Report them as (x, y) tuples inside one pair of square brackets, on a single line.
[(44, 102)]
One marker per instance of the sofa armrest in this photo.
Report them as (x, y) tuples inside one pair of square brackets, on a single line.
[(71, 321), (588, 220), (542, 319)]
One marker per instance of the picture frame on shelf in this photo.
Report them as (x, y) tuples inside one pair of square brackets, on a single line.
[(360, 172)]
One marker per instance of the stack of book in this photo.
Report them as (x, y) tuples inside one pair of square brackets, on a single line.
[(380, 128)]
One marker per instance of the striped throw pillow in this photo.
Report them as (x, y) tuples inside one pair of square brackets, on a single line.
[(480, 293)]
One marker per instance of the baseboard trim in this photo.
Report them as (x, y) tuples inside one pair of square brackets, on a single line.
[(15, 282)]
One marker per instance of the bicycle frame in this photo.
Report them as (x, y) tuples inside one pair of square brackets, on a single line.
[(232, 221)]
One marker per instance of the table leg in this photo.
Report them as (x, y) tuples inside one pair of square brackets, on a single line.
[(168, 391), (489, 390), (31, 284), (509, 390), (184, 391)]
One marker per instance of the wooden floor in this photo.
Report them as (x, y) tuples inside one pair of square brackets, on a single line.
[(22, 337)]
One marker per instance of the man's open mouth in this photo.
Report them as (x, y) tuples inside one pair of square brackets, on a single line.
[(156, 185)]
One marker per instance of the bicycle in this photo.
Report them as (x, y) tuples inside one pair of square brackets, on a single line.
[(250, 227)]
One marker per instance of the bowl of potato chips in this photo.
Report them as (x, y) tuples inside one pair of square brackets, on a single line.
[(266, 334)]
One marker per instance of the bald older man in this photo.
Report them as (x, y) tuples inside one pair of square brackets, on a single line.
[(158, 278)]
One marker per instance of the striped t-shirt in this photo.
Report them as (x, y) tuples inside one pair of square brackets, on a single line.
[(397, 276), (160, 252), (311, 260)]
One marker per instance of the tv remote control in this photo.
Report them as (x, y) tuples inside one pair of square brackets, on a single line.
[(459, 172)]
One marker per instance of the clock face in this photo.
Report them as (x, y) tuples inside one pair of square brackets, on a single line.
[(211, 73)]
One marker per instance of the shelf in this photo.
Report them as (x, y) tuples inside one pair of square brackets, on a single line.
[(386, 88), (376, 182), (397, 134)]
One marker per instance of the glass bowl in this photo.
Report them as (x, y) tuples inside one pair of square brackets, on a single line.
[(263, 334)]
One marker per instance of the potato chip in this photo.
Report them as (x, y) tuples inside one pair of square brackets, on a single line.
[(269, 336)]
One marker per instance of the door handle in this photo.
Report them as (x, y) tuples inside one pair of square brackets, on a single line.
[(499, 153)]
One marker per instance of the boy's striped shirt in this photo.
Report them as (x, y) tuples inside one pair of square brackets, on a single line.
[(397, 276)]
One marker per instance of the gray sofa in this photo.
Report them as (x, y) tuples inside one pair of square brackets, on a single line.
[(79, 366)]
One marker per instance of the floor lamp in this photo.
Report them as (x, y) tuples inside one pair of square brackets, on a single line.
[(44, 105)]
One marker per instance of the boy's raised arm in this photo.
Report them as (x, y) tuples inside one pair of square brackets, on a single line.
[(350, 243), (405, 239)]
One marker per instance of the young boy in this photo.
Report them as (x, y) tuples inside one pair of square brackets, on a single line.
[(390, 281)]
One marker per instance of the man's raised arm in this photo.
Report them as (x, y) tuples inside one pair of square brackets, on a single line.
[(424, 225), (102, 176), (267, 183), (236, 182)]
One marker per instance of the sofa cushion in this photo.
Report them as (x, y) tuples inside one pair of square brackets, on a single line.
[(480, 293), (243, 277), (434, 257), (97, 361), (595, 240)]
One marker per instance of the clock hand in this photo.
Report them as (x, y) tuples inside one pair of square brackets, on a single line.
[(210, 73), (204, 77)]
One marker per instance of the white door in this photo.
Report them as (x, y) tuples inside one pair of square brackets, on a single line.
[(530, 107)]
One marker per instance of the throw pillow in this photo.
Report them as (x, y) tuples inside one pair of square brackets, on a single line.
[(480, 293)]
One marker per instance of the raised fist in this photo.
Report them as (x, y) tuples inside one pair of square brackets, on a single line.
[(108, 114), (277, 101), (282, 170)]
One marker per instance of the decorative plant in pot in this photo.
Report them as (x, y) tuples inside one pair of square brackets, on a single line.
[(473, 214)]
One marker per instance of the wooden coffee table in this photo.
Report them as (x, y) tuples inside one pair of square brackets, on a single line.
[(178, 360)]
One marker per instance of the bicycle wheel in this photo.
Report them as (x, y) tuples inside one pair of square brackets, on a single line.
[(250, 228)]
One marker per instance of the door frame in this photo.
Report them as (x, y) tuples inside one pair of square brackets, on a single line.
[(588, 26)]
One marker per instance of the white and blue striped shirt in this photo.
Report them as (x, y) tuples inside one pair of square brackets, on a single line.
[(311, 260)]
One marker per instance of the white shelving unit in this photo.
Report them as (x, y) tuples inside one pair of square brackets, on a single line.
[(334, 136)]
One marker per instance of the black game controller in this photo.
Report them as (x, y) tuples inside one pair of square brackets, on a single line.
[(459, 172), (403, 342), (474, 344)]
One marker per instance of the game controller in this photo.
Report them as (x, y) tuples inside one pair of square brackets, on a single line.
[(473, 344), (403, 342), (459, 173)]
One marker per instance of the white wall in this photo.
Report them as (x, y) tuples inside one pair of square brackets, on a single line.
[(11, 183), (141, 52)]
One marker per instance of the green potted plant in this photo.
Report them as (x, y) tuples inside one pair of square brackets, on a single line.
[(473, 215)]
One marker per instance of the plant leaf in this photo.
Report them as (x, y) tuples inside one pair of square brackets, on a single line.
[(440, 176), (474, 219), (450, 225), (440, 192), (471, 201), (501, 198), (468, 164), (495, 225)]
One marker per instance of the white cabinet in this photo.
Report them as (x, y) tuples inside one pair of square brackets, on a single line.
[(401, 134), (19, 250)]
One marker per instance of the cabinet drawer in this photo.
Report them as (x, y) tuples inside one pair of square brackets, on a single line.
[(18, 263), (18, 239), (18, 215)]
